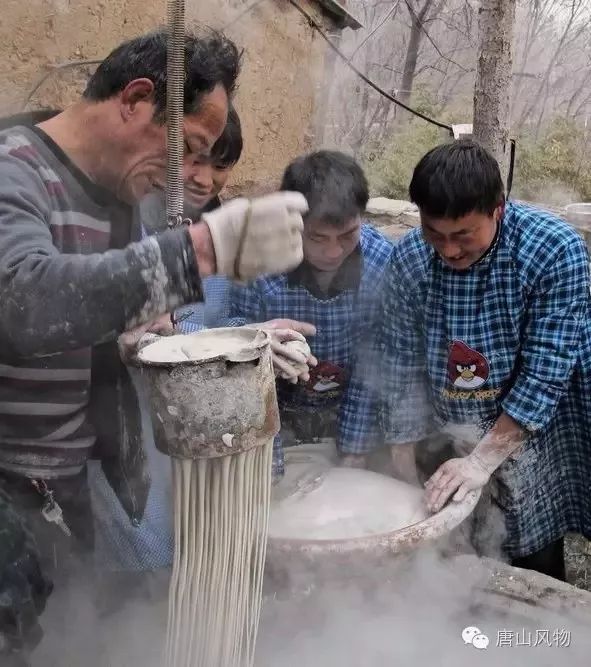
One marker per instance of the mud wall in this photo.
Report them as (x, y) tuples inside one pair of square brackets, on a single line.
[(282, 69), (280, 83), (38, 34)]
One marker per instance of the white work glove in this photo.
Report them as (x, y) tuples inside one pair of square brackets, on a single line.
[(457, 476), (292, 356), (259, 236)]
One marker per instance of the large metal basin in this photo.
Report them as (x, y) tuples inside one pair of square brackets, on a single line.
[(297, 563)]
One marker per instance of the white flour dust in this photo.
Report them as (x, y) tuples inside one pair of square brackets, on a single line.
[(347, 503)]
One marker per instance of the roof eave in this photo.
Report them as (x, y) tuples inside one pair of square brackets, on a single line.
[(340, 15)]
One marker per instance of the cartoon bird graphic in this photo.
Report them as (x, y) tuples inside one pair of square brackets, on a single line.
[(467, 368), (326, 377)]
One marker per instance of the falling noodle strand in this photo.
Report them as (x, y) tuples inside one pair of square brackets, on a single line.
[(221, 516)]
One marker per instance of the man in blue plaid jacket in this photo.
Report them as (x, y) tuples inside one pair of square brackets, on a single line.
[(336, 289), (487, 342)]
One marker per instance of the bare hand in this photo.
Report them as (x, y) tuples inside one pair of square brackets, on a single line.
[(291, 362), (305, 328), (291, 355), (129, 340), (163, 326), (457, 476)]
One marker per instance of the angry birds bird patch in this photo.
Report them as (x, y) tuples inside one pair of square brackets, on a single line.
[(326, 377), (467, 368)]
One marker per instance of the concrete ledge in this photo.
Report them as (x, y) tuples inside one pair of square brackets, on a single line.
[(519, 586)]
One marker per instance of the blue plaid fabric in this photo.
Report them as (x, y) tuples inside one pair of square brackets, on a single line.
[(343, 324), (510, 334), (213, 313)]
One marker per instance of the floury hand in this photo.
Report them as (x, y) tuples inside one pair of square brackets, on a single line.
[(292, 356), (129, 341), (457, 476)]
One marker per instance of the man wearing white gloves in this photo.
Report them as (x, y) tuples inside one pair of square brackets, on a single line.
[(72, 280), (254, 239)]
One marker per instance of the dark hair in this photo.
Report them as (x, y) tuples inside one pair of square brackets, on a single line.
[(455, 179), (333, 184), (228, 148), (210, 59)]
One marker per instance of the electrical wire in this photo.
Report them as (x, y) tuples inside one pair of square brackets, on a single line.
[(314, 25), (80, 63), (511, 167), (312, 22), (388, 15), (243, 13), (54, 68)]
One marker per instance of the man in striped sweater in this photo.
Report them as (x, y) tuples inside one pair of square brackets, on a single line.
[(72, 279), (121, 547)]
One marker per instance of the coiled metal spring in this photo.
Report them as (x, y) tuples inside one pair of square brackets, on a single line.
[(175, 96)]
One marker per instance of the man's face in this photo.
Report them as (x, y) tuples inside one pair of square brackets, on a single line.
[(144, 142), (204, 180), (327, 246), (462, 242)]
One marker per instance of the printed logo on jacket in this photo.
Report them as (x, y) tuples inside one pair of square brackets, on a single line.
[(468, 370)]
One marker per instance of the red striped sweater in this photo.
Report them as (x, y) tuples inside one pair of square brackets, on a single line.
[(62, 291)]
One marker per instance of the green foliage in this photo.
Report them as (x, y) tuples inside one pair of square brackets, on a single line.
[(389, 166), (555, 169)]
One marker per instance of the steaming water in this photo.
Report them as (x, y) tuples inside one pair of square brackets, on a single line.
[(375, 632), (409, 615)]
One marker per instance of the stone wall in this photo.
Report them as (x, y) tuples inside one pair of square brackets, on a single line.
[(282, 72)]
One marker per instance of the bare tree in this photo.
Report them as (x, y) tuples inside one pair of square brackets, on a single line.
[(564, 26), (431, 47), (417, 17), (425, 12), (406, 43)]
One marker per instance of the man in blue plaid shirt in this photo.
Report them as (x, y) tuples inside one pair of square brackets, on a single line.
[(487, 343), (336, 290)]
